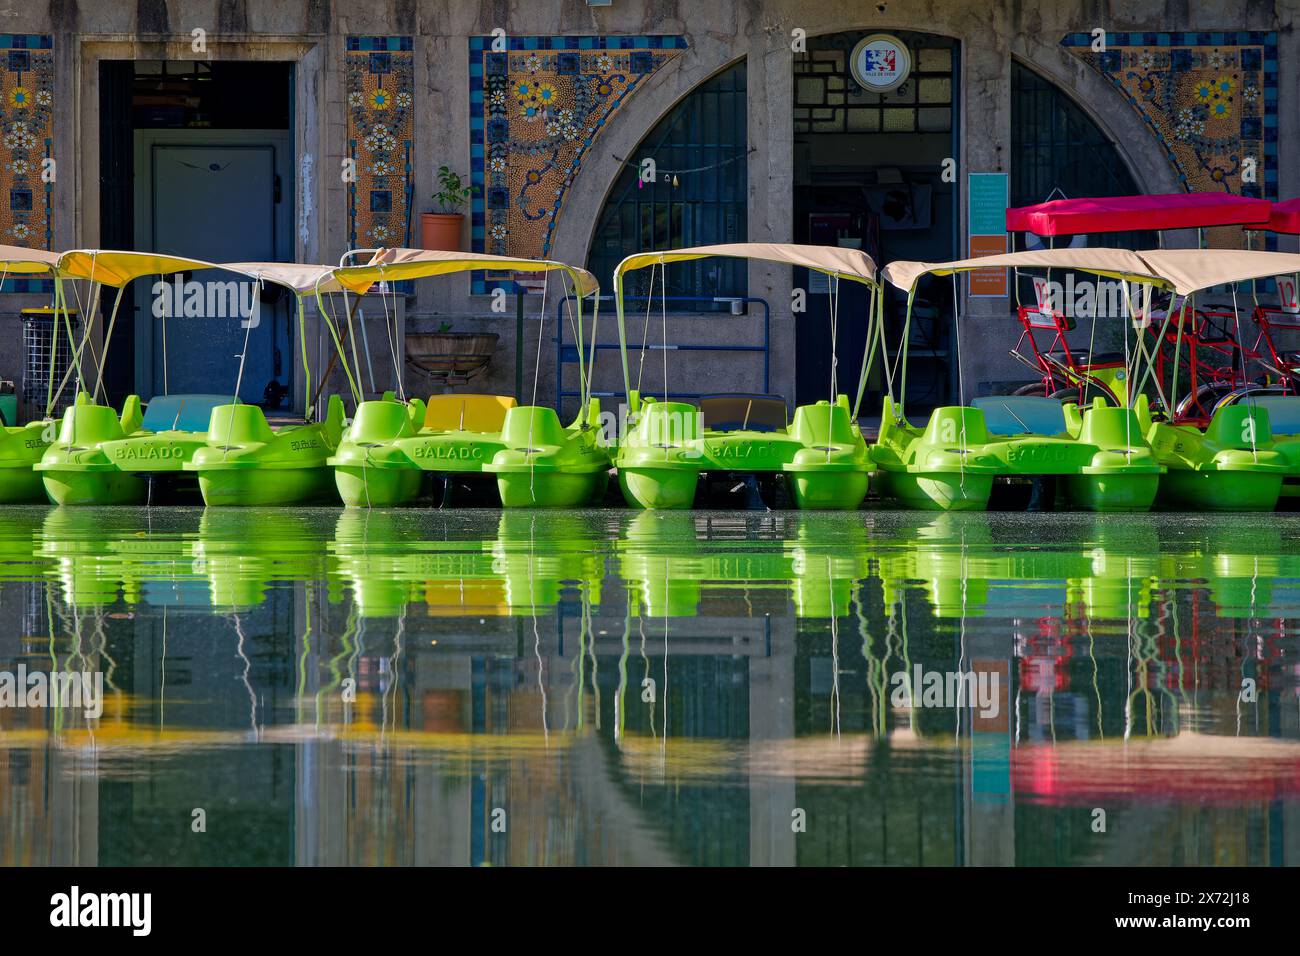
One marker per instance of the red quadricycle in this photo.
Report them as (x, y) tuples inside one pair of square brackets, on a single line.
[(1066, 372), (1210, 358), (1199, 351)]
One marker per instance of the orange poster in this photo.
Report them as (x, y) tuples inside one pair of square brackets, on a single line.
[(988, 281)]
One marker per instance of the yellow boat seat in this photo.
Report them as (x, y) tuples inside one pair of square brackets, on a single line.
[(473, 413)]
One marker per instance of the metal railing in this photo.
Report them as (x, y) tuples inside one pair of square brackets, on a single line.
[(566, 352)]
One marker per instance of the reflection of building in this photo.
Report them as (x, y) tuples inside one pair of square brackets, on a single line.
[(322, 128), (312, 704)]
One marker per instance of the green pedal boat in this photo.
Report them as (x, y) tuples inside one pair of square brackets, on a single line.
[(244, 462), (1098, 457), (82, 465), (1237, 463), (1231, 466), (21, 446), (670, 446), (177, 426), (21, 449), (533, 459), (821, 453)]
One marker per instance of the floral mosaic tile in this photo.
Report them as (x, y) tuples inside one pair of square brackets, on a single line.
[(1210, 99), (26, 139), (536, 109), (380, 84)]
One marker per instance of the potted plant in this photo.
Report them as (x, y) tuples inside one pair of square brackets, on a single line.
[(442, 229)]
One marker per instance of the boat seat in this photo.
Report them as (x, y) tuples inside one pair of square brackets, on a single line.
[(1004, 414), (1097, 359), (473, 413), (1283, 412), (187, 413), (734, 412)]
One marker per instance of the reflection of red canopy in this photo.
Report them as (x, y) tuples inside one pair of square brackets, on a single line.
[(1208, 769), (1068, 217), (1285, 217)]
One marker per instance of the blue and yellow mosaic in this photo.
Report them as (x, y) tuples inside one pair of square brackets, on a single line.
[(380, 83), (535, 111), (26, 141), (1209, 98)]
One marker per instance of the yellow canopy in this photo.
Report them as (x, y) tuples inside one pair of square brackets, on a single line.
[(117, 268), (392, 265), (1112, 263), (831, 260), (17, 260), (1190, 270)]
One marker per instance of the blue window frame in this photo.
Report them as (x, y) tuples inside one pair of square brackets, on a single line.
[(1058, 151), (703, 142)]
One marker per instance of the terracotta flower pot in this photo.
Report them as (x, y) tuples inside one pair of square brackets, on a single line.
[(441, 231)]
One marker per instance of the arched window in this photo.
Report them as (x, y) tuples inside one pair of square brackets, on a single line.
[(1057, 152), (702, 145)]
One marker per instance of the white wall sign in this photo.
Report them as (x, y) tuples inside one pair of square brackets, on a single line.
[(1286, 293), (880, 63)]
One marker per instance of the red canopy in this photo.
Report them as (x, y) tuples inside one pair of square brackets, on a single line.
[(1285, 217), (1068, 217)]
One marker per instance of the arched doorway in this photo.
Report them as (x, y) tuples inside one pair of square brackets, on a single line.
[(868, 172)]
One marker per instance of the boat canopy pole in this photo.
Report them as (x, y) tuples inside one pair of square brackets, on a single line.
[(327, 318), (1250, 399), (900, 369), (1153, 355), (108, 337), (869, 347)]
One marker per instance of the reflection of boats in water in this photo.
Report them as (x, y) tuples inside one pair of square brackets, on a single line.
[(389, 560)]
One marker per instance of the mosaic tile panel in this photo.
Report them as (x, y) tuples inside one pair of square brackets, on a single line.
[(380, 84), (535, 111), (1210, 99), (26, 139)]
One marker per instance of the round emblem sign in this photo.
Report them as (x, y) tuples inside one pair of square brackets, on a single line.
[(880, 63)]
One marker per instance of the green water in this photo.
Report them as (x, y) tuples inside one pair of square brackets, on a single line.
[(602, 687)]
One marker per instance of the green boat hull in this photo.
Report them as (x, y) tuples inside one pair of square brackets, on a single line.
[(1111, 493), (244, 463), (545, 465), (828, 490), (371, 469), (108, 487), (936, 491), (1219, 491), (19, 485), (662, 488), (551, 489), (258, 487), (822, 456)]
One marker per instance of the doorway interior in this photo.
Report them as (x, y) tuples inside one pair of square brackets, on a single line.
[(869, 173), (197, 160)]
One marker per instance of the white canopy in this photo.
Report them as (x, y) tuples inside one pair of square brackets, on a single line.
[(1112, 263), (395, 264)]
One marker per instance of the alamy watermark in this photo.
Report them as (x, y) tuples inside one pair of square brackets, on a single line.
[(208, 300), (946, 689), (23, 689), (1086, 298)]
